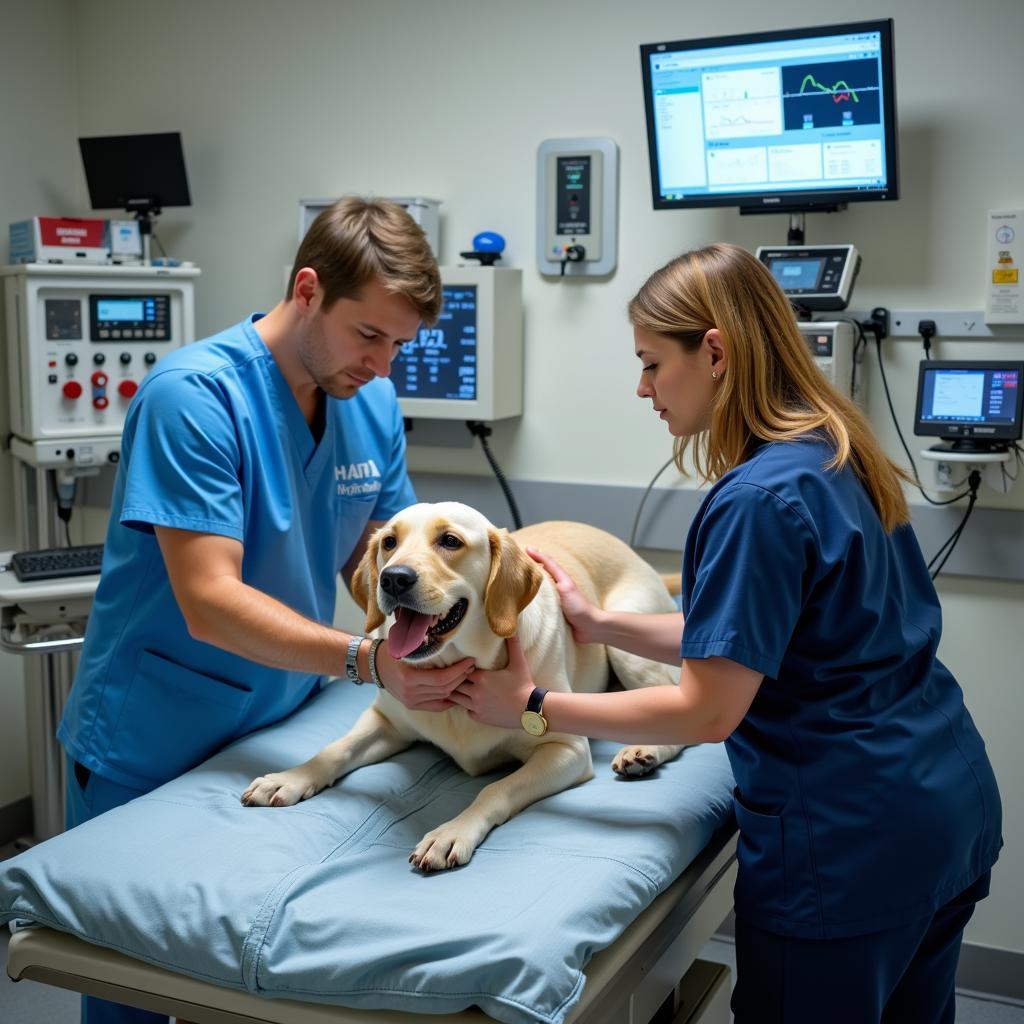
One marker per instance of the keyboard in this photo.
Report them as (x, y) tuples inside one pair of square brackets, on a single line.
[(54, 563)]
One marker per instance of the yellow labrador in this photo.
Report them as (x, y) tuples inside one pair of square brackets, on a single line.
[(451, 585)]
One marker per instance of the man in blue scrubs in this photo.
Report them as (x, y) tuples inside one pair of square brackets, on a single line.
[(254, 466), (869, 816)]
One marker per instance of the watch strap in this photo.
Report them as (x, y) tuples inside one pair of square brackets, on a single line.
[(536, 701)]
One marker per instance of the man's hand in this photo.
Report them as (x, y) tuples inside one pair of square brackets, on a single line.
[(498, 696), (421, 689)]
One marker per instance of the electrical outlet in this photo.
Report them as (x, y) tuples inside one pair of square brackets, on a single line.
[(944, 475)]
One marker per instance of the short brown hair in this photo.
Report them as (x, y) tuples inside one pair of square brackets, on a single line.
[(772, 389), (358, 240)]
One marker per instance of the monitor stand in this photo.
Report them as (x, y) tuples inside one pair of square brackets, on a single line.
[(797, 213)]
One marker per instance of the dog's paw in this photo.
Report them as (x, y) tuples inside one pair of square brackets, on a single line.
[(634, 761), (447, 846), (282, 789)]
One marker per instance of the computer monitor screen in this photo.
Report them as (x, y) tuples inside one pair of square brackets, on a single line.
[(135, 171), (970, 401), (795, 120), (441, 361)]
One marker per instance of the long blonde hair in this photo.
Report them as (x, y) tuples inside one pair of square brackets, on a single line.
[(772, 390)]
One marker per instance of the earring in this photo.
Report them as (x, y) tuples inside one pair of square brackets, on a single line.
[(714, 375)]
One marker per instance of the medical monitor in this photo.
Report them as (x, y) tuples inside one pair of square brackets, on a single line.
[(972, 403), (469, 365), (788, 121), (135, 172)]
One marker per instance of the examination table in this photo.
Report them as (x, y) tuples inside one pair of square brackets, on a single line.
[(589, 907)]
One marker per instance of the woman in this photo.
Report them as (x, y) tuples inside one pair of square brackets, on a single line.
[(868, 812)]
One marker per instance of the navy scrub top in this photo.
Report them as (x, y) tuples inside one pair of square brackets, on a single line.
[(215, 442), (864, 796)]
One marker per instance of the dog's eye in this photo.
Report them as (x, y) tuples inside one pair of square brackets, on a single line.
[(388, 543), (450, 541)]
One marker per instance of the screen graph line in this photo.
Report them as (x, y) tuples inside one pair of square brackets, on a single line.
[(838, 94)]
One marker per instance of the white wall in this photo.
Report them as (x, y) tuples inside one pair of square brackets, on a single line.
[(38, 174), (450, 99)]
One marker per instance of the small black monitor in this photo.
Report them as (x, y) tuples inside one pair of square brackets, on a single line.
[(141, 173), (782, 121), (975, 404)]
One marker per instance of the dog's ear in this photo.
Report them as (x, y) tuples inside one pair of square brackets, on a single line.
[(364, 584), (513, 583)]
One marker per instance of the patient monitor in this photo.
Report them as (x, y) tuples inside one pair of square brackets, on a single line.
[(469, 365)]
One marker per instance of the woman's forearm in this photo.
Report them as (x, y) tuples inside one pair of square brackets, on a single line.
[(658, 637), (655, 714)]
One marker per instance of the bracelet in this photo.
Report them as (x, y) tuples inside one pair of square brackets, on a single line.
[(373, 662), (351, 664)]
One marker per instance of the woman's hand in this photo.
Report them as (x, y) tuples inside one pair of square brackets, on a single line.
[(421, 689), (584, 618), (498, 696)]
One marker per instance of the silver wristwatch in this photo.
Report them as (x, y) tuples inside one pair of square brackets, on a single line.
[(351, 664)]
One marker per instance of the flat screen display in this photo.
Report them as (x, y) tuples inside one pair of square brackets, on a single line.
[(121, 310), (441, 361), (799, 119), (975, 404), (797, 274), (983, 395)]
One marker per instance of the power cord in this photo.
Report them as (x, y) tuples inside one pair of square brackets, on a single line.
[(482, 431), (877, 328), (927, 330), (974, 482), (643, 500)]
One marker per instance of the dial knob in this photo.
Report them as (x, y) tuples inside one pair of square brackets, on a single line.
[(72, 390), (127, 388)]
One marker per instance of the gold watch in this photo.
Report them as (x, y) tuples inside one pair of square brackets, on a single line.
[(532, 720)]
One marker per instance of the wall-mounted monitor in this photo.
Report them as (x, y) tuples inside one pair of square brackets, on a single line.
[(972, 403), (786, 121), (469, 365), (135, 172)]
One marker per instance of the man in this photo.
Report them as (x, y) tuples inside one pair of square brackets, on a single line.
[(254, 466)]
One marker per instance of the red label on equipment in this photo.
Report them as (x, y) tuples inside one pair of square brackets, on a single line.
[(68, 231)]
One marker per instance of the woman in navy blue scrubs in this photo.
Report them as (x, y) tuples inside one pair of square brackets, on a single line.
[(868, 812)]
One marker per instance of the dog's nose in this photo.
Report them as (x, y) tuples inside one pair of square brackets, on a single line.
[(397, 580)]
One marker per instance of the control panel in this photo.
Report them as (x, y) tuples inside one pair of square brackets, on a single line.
[(577, 206), (832, 346), (817, 277), (80, 341)]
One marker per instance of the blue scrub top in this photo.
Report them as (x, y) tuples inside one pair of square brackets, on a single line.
[(864, 797), (215, 442)]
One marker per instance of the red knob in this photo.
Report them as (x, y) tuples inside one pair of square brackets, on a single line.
[(101, 401), (127, 388), (99, 379), (72, 389)]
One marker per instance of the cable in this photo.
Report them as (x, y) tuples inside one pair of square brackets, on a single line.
[(927, 329), (483, 431), (896, 423), (974, 481), (67, 533), (163, 251), (640, 507)]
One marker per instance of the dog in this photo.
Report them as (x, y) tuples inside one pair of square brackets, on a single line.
[(454, 586)]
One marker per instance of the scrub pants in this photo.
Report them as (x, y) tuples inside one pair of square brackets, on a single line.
[(898, 976), (88, 795)]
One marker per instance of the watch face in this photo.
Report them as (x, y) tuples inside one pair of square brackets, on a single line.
[(533, 723)]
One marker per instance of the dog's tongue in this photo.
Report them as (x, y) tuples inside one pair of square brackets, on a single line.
[(408, 632)]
